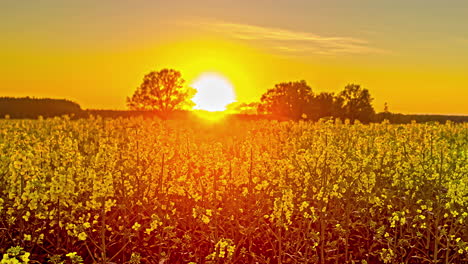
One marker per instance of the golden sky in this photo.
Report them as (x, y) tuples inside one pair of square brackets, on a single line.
[(412, 54)]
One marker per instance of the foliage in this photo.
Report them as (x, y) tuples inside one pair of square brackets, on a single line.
[(15, 255), (356, 103), (162, 91), (142, 190), (325, 105), (295, 100), (34, 107), (287, 100)]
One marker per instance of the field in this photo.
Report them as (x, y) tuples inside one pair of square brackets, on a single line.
[(149, 191)]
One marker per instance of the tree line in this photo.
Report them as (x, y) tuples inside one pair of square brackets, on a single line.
[(164, 91), (297, 101), (165, 94), (28, 107)]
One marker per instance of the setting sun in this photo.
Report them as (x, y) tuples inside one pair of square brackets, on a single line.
[(214, 92)]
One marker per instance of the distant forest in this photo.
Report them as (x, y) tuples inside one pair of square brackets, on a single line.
[(32, 108)]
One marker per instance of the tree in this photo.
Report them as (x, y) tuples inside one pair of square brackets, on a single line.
[(324, 105), (287, 100), (162, 91), (356, 103)]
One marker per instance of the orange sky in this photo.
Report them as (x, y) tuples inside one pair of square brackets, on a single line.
[(411, 54)]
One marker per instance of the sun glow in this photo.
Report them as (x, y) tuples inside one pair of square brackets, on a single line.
[(214, 92)]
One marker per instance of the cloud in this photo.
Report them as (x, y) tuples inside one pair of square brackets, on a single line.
[(293, 42)]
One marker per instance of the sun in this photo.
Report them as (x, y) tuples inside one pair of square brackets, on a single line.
[(214, 92)]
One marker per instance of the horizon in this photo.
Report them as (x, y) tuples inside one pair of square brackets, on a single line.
[(96, 54), (226, 112)]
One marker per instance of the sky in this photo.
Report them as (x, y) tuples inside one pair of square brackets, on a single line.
[(412, 54)]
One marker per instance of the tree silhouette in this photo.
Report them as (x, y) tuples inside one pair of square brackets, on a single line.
[(162, 91), (287, 100), (34, 107), (356, 103), (324, 105)]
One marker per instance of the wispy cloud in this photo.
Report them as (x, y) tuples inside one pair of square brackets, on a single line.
[(293, 42)]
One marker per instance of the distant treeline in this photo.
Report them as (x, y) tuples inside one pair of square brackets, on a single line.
[(28, 107), (32, 108), (405, 119)]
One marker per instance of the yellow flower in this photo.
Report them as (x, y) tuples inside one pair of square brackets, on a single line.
[(205, 219), (25, 257), (136, 226), (71, 254), (82, 236)]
